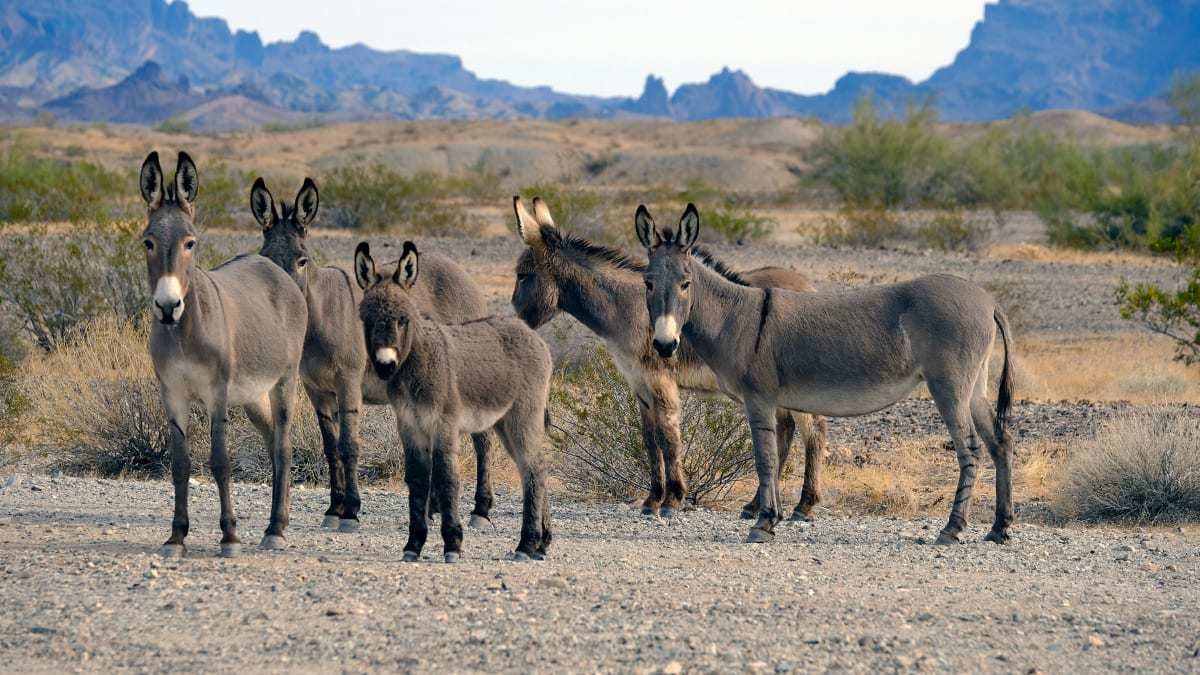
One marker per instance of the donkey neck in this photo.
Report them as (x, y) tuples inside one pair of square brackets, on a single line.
[(605, 301), (724, 319)]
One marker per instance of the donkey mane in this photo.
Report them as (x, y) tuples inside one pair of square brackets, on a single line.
[(605, 254), (232, 260)]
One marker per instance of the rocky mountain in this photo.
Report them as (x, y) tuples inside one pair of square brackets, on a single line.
[(144, 60)]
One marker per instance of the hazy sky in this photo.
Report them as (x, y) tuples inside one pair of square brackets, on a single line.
[(607, 48)]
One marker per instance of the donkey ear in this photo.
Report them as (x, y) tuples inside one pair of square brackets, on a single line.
[(689, 227), (643, 224), (150, 181), (527, 226), (541, 212), (407, 268), (262, 204), (187, 182), (364, 266), (307, 201)]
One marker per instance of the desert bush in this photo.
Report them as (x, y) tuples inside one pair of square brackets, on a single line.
[(224, 194), (952, 231), (34, 189), (1144, 469), (579, 210), (376, 197), (1173, 314), (174, 125), (726, 215), (288, 127), (859, 228), (597, 431)]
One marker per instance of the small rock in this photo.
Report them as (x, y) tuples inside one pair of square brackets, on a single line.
[(673, 668), (42, 630), (35, 487), (151, 573), (1095, 641), (553, 582)]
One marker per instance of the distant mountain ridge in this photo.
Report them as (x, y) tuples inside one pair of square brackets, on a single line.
[(145, 60)]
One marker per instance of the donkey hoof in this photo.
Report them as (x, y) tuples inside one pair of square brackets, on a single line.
[(759, 536), (649, 511), (451, 557), (748, 514), (331, 521), (799, 516), (997, 537), (348, 525), (946, 539), (666, 512), (478, 522), (521, 556), (411, 556), (172, 551), (231, 549), (273, 542)]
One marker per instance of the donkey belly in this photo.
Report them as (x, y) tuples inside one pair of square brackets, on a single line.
[(848, 399), (250, 387)]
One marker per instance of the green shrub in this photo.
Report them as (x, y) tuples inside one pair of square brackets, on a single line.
[(597, 430), (287, 127), (579, 210), (1173, 314), (224, 195), (868, 228), (952, 231), (174, 125), (376, 197), (34, 189)]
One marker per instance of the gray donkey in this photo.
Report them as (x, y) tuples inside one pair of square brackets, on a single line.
[(445, 379), (231, 336), (335, 365), (602, 288), (838, 354)]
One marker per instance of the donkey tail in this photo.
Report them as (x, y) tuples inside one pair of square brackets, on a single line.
[(1005, 398)]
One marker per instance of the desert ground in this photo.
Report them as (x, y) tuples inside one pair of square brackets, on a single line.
[(858, 590)]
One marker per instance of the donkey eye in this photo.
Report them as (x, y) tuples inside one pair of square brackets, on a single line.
[(649, 285), (685, 285), (302, 262), (191, 244), (148, 244)]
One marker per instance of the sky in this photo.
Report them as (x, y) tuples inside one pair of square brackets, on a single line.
[(608, 48)]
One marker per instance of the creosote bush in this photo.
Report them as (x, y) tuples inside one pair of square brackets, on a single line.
[(377, 197), (1140, 469), (597, 431), (33, 189), (1173, 314)]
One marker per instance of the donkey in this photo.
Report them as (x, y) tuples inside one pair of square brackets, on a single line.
[(231, 336), (444, 379), (335, 367), (602, 288), (838, 354)]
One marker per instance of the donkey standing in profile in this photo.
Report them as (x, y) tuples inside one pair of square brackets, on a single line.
[(231, 336), (335, 367), (445, 379), (603, 290), (838, 354)]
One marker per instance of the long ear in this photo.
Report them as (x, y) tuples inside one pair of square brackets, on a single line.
[(541, 212), (527, 226), (262, 205), (407, 268), (307, 201), (187, 182), (150, 181), (643, 224), (364, 266), (689, 227)]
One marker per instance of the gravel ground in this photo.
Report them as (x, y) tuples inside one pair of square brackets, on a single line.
[(85, 590)]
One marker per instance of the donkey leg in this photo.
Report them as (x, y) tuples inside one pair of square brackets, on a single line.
[(671, 445), (484, 497), (283, 397), (446, 485), (325, 406), (955, 408), (766, 464), (259, 415), (219, 461), (181, 471), (418, 473), (1001, 452), (785, 431), (654, 457), (349, 405), (813, 430), (522, 436)]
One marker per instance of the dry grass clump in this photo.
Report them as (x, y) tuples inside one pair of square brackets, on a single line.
[(1135, 368), (1141, 469)]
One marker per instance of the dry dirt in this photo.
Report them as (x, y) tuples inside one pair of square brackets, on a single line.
[(86, 590)]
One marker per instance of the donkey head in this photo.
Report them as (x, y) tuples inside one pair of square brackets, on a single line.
[(388, 313), (284, 232), (668, 275), (535, 295), (169, 237)]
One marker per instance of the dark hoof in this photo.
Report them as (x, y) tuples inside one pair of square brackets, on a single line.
[(331, 521), (231, 550), (452, 557), (348, 525), (666, 512), (520, 556), (946, 539), (996, 537), (173, 551), (479, 522), (748, 514), (801, 517), (649, 511), (411, 556), (759, 536), (273, 542)]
